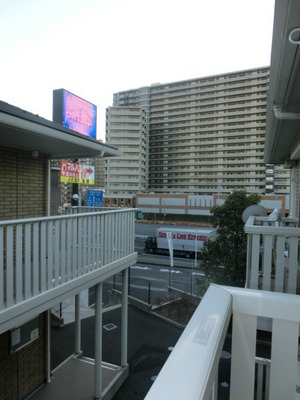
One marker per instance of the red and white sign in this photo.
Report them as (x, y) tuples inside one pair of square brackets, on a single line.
[(71, 172)]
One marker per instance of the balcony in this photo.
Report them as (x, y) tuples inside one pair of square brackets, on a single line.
[(269, 302), (191, 371), (273, 255), (44, 261)]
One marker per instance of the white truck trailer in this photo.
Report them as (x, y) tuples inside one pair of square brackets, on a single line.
[(185, 240)]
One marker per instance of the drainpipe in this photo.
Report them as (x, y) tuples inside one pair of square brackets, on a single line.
[(48, 186), (279, 114)]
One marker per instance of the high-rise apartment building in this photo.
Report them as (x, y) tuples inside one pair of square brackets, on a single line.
[(206, 135), (126, 129)]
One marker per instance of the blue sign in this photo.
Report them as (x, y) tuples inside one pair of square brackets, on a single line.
[(94, 198)]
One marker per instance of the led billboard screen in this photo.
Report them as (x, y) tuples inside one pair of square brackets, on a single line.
[(74, 113)]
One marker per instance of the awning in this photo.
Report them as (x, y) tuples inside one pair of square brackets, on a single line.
[(25, 131)]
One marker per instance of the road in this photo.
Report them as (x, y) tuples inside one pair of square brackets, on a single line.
[(154, 270), (151, 276)]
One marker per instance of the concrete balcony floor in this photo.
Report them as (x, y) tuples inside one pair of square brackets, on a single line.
[(74, 380)]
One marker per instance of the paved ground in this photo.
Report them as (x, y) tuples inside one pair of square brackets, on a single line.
[(148, 341)]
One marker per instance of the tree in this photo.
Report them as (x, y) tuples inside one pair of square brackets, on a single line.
[(223, 260)]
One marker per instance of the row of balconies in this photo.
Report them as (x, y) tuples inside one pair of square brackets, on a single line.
[(238, 154), (212, 89), (242, 78), (162, 129), (204, 99), (214, 106), (216, 115)]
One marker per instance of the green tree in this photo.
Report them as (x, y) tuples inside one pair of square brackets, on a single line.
[(224, 259)]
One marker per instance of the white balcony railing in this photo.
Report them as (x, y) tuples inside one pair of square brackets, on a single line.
[(44, 257), (273, 255), (191, 371)]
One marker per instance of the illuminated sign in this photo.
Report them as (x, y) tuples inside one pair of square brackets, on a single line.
[(74, 113), (71, 172)]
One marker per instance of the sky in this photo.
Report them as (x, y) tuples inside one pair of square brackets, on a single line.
[(94, 48)]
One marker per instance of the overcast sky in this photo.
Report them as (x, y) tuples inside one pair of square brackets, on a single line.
[(94, 48)]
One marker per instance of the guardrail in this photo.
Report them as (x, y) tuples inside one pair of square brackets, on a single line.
[(273, 255), (191, 370)]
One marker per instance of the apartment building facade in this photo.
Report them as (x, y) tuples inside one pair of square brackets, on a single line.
[(207, 135), (127, 174)]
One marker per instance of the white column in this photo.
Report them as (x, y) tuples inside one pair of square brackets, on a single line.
[(98, 341), (124, 328), (48, 349), (77, 325)]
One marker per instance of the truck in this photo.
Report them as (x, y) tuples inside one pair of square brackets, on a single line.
[(185, 240)]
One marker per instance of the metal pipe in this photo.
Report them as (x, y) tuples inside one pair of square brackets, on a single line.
[(279, 114), (48, 186)]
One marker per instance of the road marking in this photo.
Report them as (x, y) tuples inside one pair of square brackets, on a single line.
[(139, 267), (174, 271)]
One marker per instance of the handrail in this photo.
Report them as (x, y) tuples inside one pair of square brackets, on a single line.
[(191, 370), (64, 216)]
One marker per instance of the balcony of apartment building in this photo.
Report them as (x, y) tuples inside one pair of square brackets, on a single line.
[(270, 301), (45, 260)]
